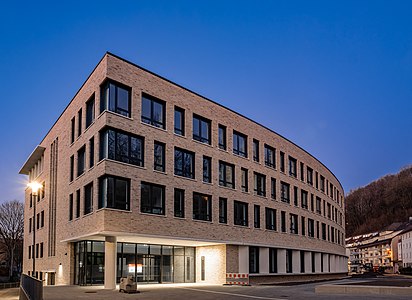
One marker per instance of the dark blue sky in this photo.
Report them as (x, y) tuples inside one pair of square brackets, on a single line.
[(335, 77)]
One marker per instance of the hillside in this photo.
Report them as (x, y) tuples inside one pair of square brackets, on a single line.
[(380, 203)]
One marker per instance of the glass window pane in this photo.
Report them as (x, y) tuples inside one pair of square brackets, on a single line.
[(146, 110), (122, 101)]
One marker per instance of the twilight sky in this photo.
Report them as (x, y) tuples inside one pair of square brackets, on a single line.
[(335, 77)]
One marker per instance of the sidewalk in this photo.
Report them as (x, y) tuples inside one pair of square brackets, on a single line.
[(9, 294)]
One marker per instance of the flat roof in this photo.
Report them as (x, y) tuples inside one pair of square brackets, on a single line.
[(32, 160)]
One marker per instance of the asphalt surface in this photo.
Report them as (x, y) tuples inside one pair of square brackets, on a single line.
[(216, 292)]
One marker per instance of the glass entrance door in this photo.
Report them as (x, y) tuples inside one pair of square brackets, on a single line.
[(149, 267)]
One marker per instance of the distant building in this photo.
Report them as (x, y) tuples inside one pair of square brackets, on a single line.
[(146, 178), (405, 247), (382, 249)]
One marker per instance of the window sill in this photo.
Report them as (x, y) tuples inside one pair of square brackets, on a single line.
[(270, 168), (241, 226), (114, 114), (122, 163), (208, 183), (244, 157), (81, 175), (202, 221), (160, 172), (152, 215), (88, 214), (152, 126), (183, 177), (179, 135), (113, 209), (227, 188), (202, 143), (263, 197), (180, 218), (245, 192), (88, 127), (223, 150)]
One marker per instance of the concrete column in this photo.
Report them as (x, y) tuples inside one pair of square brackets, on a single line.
[(264, 260), (110, 256), (243, 259), (308, 262), (318, 257), (332, 260), (326, 260), (281, 261), (295, 261)]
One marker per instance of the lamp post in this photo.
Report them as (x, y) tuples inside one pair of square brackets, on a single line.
[(35, 187)]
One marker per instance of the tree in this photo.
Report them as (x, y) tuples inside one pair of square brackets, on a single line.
[(11, 230)]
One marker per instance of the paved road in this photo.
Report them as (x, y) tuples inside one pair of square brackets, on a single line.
[(204, 292)]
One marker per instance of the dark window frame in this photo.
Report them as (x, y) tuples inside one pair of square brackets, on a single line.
[(153, 119), (90, 111), (259, 188), (207, 169), (104, 194), (244, 180), (179, 130), (270, 218), (222, 210), (240, 213), (81, 160), (106, 103), (198, 136), (159, 146), (88, 199), (222, 136), (285, 192), (223, 174), (256, 216), (255, 149), (270, 156), (184, 169), (237, 137), (202, 212), (148, 205), (179, 203)]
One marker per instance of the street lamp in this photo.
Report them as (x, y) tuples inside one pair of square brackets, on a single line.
[(35, 187)]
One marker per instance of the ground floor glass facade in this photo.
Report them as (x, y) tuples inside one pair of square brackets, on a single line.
[(146, 263)]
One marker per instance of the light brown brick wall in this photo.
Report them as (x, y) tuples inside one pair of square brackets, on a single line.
[(139, 223)]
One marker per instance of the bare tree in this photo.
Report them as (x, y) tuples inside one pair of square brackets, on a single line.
[(11, 229)]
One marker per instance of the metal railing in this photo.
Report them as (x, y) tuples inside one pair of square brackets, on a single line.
[(30, 288), (9, 285)]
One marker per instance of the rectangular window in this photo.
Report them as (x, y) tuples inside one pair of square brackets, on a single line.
[(302, 173), (323, 231), (78, 204), (184, 163), (90, 111), (253, 259), (226, 174), (245, 180), (81, 157), (282, 162), (115, 97), (259, 184), (41, 251), (71, 204), (270, 156), (302, 261), (42, 219), (295, 196), (239, 144), (152, 198), (114, 192), (240, 213), (91, 152), (79, 122), (289, 261), (202, 207), (311, 228), (317, 229), (222, 137), (223, 210), (153, 111), (312, 202), (309, 175), (30, 226), (73, 130), (303, 225), (201, 129), (329, 210), (255, 150), (38, 221), (292, 167), (159, 157), (273, 260), (304, 199), (179, 203), (294, 224), (285, 192), (88, 198), (179, 121), (71, 168), (256, 214), (121, 146), (207, 169), (316, 180), (270, 215), (322, 183), (313, 261), (273, 188)]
